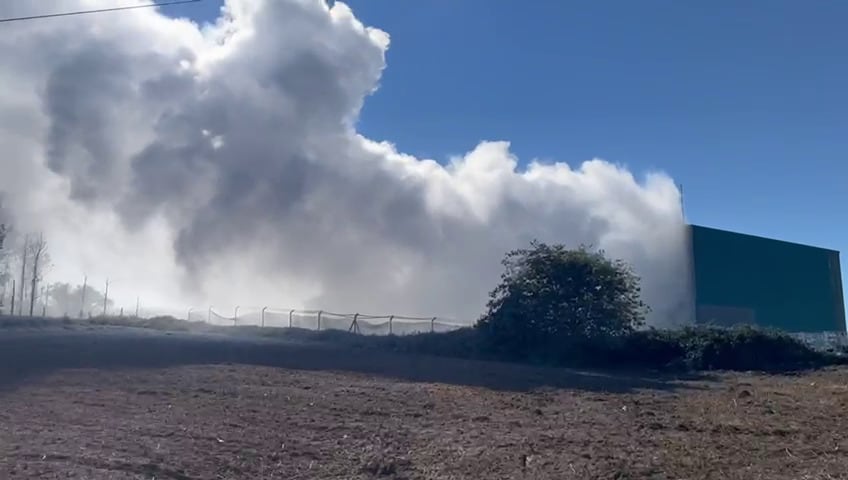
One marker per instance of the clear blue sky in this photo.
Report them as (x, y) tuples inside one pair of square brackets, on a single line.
[(743, 102)]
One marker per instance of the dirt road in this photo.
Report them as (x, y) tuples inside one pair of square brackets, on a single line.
[(109, 403)]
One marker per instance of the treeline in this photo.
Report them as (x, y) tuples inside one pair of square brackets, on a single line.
[(23, 265), (24, 262)]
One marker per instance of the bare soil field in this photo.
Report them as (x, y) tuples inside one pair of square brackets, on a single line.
[(118, 403)]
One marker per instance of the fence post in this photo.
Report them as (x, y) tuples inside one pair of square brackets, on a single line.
[(319, 319), (188, 315), (390, 323), (235, 316), (290, 317), (432, 325), (262, 321)]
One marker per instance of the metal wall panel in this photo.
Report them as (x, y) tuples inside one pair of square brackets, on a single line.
[(743, 279)]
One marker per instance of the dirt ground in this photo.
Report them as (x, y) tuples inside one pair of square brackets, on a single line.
[(124, 404)]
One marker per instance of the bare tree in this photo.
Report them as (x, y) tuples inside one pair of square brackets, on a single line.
[(82, 300), (24, 255), (106, 297), (38, 251), (5, 257), (107, 303), (4, 266)]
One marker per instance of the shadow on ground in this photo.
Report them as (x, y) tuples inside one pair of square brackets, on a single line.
[(26, 353)]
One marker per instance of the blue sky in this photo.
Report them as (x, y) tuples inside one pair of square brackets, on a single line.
[(742, 102)]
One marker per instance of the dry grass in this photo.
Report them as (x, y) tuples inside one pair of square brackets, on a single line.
[(259, 422), (193, 418)]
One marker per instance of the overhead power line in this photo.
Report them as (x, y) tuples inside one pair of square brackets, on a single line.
[(83, 12)]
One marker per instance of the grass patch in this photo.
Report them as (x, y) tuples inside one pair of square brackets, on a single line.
[(693, 348), (17, 321)]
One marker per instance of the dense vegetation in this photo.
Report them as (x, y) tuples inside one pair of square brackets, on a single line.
[(694, 348), (553, 301), (557, 306), (576, 307)]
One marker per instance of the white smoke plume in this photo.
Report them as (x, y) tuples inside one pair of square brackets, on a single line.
[(222, 164)]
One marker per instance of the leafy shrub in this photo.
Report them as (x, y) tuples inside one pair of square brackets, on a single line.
[(157, 323), (657, 349), (709, 348), (747, 348), (461, 343), (693, 348), (554, 302)]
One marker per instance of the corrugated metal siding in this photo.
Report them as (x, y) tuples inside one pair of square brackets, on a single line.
[(789, 286)]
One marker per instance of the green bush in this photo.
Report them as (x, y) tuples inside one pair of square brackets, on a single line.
[(747, 348), (655, 349), (461, 343), (708, 348), (156, 323), (693, 348), (552, 302)]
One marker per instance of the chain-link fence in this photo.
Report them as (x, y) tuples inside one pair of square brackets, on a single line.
[(322, 320)]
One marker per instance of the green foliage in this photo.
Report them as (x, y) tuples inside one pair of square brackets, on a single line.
[(578, 308), (693, 348), (156, 323), (746, 348), (707, 348), (653, 349), (461, 343), (552, 299)]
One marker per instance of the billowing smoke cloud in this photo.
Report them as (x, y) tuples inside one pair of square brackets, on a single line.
[(222, 164)]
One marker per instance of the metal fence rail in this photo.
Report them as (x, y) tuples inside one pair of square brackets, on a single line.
[(322, 320)]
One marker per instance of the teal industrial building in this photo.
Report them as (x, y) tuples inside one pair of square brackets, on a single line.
[(744, 279)]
